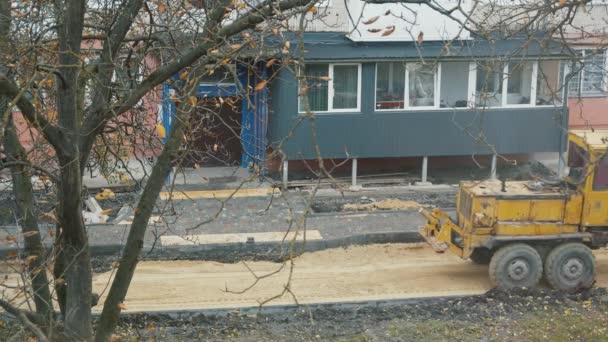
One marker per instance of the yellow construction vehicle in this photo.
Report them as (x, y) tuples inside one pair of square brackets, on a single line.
[(527, 229)]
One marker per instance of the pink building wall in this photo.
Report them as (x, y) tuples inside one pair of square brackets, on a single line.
[(143, 143), (588, 112)]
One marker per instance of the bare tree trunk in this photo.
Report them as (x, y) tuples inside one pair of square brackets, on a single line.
[(76, 254), (74, 241), (34, 250), (59, 268), (22, 189)]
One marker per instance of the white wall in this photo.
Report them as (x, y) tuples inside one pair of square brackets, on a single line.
[(408, 20)]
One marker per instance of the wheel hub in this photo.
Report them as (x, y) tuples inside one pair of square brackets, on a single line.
[(518, 269), (573, 269)]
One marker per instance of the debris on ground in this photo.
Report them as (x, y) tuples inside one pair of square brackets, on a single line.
[(403, 201), (95, 214), (105, 194), (387, 204)]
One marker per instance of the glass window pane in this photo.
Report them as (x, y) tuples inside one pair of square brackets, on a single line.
[(519, 83), (390, 85), (577, 162), (574, 81), (548, 84), (421, 84), (592, 82), (345, 80), (600, 178), (316, 79), (489, 84), (589, 79), (454, 84)]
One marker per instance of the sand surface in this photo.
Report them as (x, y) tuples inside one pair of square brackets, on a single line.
[(355, 274)]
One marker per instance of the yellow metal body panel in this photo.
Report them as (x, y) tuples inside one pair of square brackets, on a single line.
[(573, 209), (529, 228)]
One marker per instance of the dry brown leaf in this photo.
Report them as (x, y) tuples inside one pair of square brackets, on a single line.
[(30, 233), (389, 31), (11, 255), (313, 9), (160, 129), (50, 216), (374, 30), (192, 100), (387, 12), (270, 63), (371, 20), (31, 258), (161, 7), (106, 212), (420, 38), (260, 86)]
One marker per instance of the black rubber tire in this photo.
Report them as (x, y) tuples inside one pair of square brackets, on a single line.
[(570, 267), (516, 266), (481, 256)]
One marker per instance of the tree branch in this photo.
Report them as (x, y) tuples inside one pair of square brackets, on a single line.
[(31, 316), (51, 133), (95, 121), (33, 328)]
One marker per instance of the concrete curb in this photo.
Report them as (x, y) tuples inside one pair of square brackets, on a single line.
[(276, 251), (283, 308), (269, 251)]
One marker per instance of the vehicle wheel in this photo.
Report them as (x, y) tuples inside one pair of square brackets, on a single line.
[(570, 267), (515, 266), (481, 256)]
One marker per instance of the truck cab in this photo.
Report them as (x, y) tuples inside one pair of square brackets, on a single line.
[(588, 170)]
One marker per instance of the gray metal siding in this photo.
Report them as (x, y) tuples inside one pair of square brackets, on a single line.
[(372, 134), (336, 46)]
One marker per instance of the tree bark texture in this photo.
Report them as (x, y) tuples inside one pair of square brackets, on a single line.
[(27, 220)]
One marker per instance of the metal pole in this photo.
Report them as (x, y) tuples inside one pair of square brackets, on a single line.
[(563, 138), (354, 172), (425, 163), (493, 167), (285, 169)]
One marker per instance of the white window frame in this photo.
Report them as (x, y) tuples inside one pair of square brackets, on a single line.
[(406, 89), (582, 72), (331, 91), (561, 78), (505, 85)]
